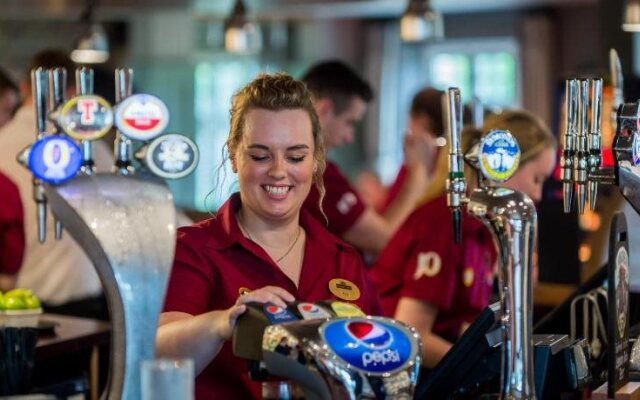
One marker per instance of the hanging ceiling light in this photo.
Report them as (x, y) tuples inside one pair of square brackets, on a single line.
[(93, 46), (631, 18), (420, 22), (241, 35)]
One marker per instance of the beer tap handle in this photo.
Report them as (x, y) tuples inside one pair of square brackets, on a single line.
[(123, 147), (594, 143), (39, 84), (568, 142), (617, 81), (84, 86), (456, 183), (580, 158), (57, 97)]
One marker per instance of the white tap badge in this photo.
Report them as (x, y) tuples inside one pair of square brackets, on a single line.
[(142, 116), (86, 117), (312, 311), (499, 155), (172, 156)]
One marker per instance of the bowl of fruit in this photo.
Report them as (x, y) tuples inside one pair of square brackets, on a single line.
[(19, 308)]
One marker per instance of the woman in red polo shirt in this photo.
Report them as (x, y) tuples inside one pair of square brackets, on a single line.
[(260, 243), (427, 281)]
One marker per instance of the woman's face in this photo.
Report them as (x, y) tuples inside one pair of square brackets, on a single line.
[(529, 177), (274, 162)]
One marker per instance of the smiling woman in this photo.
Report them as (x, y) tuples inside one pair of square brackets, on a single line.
[(261, 247)]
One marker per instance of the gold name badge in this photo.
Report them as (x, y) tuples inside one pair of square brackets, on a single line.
[(344, 289), (346, 309), (243, 290)]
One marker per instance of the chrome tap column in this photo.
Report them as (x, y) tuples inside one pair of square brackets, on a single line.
[(511, 217), (126, 225)]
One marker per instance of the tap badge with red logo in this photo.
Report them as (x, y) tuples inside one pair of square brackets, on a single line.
[(86, 117), (142, 116), (55, 159), (172, 156), (278, 315), (499, 155), (370, 345)]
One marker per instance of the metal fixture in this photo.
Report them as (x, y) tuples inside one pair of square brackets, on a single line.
[(631, 16), (93, 46), (420, 22), (241, 36)]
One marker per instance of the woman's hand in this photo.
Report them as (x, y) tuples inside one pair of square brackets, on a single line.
[(268, 294)]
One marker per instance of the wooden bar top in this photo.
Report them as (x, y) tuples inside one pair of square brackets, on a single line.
[(70, 334)]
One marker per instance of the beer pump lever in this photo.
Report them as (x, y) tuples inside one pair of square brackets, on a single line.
[(456, 183), (39, 86), (84, 86), (123, 146), (57, 88)]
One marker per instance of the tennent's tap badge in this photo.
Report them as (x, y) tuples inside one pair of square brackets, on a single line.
[(55, 159), (172, 156), (499, 155), (142, 116), (370, 345), (86, 117)]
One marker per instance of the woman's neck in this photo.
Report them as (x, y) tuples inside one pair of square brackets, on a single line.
[(271, 233)]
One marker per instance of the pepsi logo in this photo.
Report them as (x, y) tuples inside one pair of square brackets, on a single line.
[(370, 334), (271, 309), (309, 308)]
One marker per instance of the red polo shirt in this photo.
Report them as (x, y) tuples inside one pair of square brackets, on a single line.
[(422, 262), (214, 260), (341, 204), (12, 241)]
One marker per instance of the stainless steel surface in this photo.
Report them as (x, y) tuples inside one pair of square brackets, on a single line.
[(580, 157), (511, 217), (57, 97), (123, 147), (84, 85), (456, 183), (127, 227)]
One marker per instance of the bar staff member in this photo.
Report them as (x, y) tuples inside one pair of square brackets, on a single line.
[(423, 277), (260, 243)]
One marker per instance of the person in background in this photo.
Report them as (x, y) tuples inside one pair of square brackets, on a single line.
[(58, 272), (341, 98), (262, 246), (426, 280), (425, 118), (11, 212)]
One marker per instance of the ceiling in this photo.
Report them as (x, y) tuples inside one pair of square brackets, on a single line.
[(267, 9)]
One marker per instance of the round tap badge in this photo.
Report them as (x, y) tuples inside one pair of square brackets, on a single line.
[(370, 345), (635, 150), (172, 156), (142, 116), (55, 159), (499, 155), (86, 117)]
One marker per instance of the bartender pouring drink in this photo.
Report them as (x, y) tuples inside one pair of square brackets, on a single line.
[(261, 247)]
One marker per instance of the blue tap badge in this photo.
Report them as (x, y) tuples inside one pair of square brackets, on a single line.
[(635, 150), (370, 345), (86, 117), (278, 315), (55, 159), (142, 116), (499, 155), (172, 156)]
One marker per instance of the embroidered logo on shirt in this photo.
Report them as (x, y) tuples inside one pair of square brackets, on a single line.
[(467, 277), (429, 265), (344, 289), (346, 202)]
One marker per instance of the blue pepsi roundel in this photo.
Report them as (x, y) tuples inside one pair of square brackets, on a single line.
[(55, 159), (370, 345), (499, 155), (635, 150)]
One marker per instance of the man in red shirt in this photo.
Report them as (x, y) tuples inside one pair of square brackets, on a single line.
[(341, 98)]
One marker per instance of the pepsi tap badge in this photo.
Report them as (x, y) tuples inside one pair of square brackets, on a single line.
[(86, 117), (499, 155), (171, 156), (371, 345), (55, 159), (142, 116)]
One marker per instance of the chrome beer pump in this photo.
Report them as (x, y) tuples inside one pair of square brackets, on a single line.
[(125, 224), (511, 217)]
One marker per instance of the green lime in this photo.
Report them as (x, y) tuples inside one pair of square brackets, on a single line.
[(15, 303), (20, 292), (2, 305), (32, 302)]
